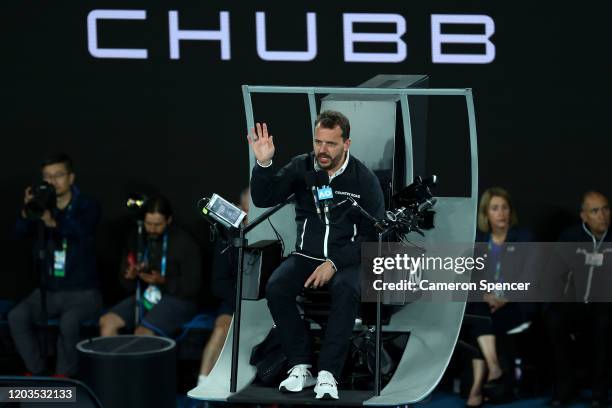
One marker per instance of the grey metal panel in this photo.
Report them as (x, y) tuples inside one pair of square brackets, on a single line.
[(426, 357), (395, 81), (360, 91), (312, 107), (433, 325), (406, 123), (255, 324)]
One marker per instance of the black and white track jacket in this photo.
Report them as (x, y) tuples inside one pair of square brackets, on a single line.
[(339, 239)]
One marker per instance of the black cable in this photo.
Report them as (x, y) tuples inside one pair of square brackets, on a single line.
[(278, 236)]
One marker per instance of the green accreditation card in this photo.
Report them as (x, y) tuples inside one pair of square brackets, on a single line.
[(59, 261)]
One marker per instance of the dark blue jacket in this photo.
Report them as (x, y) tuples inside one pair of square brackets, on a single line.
[(340, 241), (515, 234), (77, 224), (589, 284), (514, 259)]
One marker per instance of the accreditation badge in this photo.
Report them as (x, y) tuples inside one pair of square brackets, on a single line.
[(593, 259), (59, 263), (152, 296)]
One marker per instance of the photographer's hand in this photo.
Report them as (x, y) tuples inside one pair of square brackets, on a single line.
[(152, 278), (494, 302), (262, 144), (48, 219), (27, 197), (131, 272)]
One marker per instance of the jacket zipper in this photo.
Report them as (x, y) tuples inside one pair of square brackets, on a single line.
[(302, 237)]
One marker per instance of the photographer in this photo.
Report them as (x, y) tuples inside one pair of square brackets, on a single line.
[(169, 277), (69, 267)]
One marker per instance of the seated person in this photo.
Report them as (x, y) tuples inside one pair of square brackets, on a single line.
[(168, 276), (586, 268), (224, 287), (497, 229), (71, 282), (327, 249)]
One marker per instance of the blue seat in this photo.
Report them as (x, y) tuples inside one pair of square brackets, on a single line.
[(203, 321)]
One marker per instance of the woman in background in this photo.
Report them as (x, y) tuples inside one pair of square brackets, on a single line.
[(494, 315)]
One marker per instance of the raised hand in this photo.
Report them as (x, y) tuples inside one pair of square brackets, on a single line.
[(261, 143)]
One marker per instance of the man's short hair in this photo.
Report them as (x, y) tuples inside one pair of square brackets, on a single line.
[(483, 208), (158, 204), (329, 119), (588, 194), (57, 158)]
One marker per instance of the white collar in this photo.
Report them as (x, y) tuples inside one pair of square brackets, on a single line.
[(340, 170)]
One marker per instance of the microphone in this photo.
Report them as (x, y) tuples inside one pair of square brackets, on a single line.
[(310, 179), (427, 204), (318, 181), (324, 191)]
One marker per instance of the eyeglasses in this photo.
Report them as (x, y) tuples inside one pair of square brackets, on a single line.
[(53, 177)]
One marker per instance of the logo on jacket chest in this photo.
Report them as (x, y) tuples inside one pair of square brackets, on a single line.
[(346, 193)]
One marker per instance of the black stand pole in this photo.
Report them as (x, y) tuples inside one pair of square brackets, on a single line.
[(377, 380), (42, 265), (241, 243), (382, 231), (140, 248), (237, 309)]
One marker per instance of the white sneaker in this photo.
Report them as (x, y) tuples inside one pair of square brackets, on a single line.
[(326, 387), (299, 378), (201, 379)]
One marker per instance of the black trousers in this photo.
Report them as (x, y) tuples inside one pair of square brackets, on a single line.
[(595, 321), (71, 308), (286, 282)]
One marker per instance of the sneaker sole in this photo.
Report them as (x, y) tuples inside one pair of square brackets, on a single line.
[(326, 396), (307, 385)]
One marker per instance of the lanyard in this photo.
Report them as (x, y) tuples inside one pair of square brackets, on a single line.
[(164, 254), (596, 245), (499, 249), (65, 240)]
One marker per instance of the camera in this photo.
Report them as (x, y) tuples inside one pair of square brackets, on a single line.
[(43, 199), (413, 207)]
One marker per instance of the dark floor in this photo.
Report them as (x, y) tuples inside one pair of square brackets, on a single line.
[(439, 399)]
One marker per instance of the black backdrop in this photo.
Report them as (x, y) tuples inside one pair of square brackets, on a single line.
[(178, 126)]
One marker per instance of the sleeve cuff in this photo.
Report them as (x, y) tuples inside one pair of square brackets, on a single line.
[(333, 264), (261, 165)]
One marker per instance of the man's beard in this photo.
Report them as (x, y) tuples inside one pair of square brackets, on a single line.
[(332, 161)]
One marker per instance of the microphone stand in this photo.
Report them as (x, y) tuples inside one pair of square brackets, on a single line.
[(140, 249), (43, 267), (382, 230), (240, 243)]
